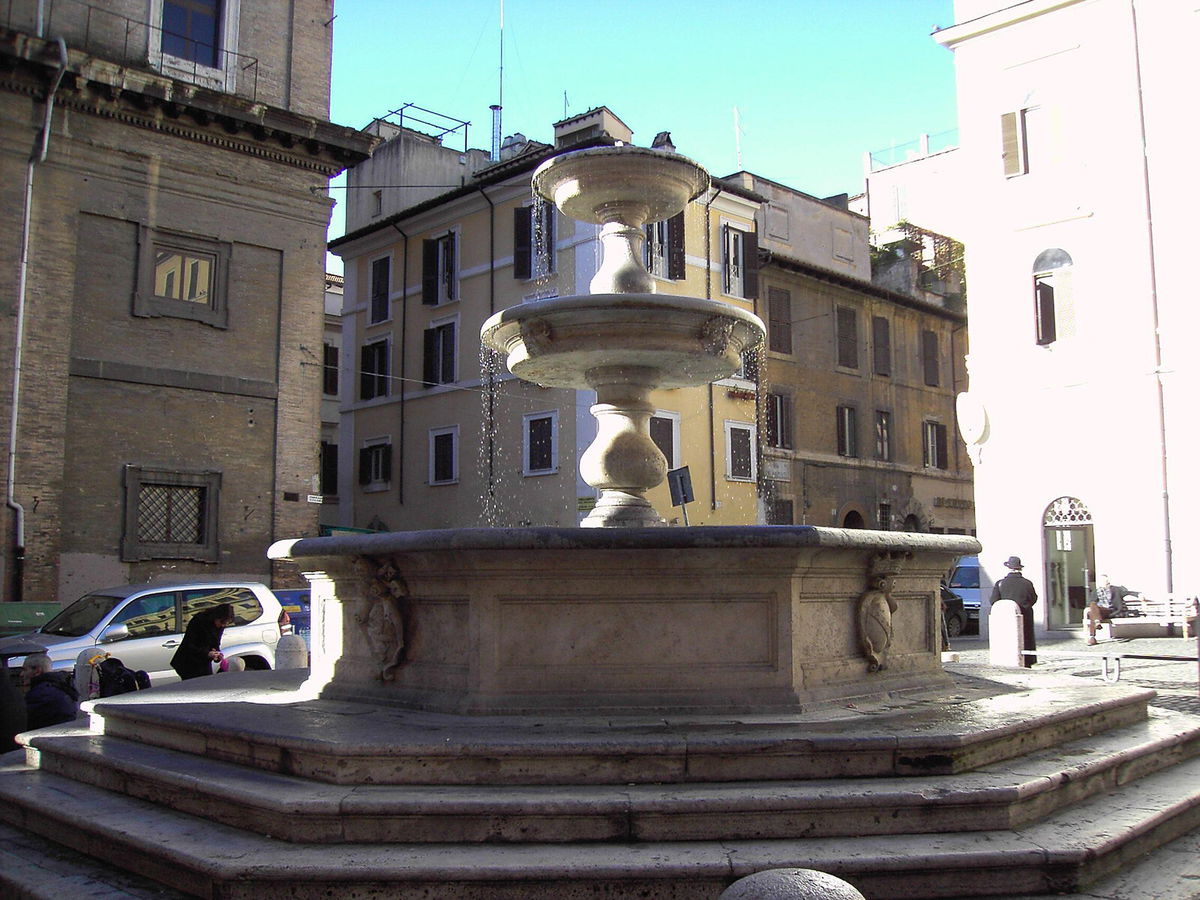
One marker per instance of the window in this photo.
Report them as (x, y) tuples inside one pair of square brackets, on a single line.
[(196, 41), (739, 262), (246, 608), (847, 431), (779, 420), (182, 276), (929, 357), (885, 516), (149, 615), (883, 435), (664, 248), (170, 514), (748, 370), (541, 443), (329, 372), (1051, 272), (881, 345), (779, 321), (329, 469), (933, 445), (847, 337), (664, 431), (381, 286), (780, 512), (191, 30), (740, 463), (533, 240), (373, 377), (375, 464), (439, 279), (443, 455), (440, 359), (376, 203), (1015, 131)]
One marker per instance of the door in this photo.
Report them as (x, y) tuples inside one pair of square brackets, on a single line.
[(1070, 561), (154, 633)]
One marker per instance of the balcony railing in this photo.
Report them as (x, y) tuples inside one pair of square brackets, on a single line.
[(112, 36)]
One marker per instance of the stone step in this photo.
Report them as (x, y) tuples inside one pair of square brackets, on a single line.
[(1001, 795), (205, 858), (393, 746)]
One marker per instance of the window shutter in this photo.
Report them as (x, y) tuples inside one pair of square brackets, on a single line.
[(881, 338), (929, 354), (847, 337), (366, 378), (942, 458), (364, 465), (429, 273), (431, 357), (1046, 324), (523, 243), (675, 257), (1011, 140), (385, 462), (726, 274), (451, 274), (446, 354), (779, 320), (750, 265)]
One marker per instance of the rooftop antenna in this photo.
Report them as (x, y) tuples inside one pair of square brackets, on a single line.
[(499, 106)]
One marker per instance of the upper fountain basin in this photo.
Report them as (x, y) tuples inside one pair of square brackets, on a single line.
[(684, 341), (632, 185)]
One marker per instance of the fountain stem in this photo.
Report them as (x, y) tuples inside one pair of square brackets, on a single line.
[(622, 270)]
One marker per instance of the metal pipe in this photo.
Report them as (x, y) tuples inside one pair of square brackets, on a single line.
[(41, 149)]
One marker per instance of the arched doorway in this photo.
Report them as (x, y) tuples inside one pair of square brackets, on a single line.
[(912, 523), (1070, 560), (853, 519)]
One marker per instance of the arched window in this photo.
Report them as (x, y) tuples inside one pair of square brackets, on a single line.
[(1048, 293)]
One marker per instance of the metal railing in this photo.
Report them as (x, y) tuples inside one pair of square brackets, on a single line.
[(101, 32)]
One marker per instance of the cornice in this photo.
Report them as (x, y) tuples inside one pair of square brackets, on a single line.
[(146, 99)]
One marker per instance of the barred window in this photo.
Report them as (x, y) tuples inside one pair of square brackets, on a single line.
[(170, 515)]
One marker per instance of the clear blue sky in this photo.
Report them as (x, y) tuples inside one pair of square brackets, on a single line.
[(816, 82)]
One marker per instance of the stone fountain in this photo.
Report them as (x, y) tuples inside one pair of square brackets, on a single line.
[(623, 340), (625, 712)]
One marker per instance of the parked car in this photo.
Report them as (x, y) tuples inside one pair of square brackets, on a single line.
[(142, 625), (964, 581), (953, 613), (297, 607)]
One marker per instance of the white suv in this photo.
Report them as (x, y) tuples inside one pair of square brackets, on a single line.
[(142, 624)]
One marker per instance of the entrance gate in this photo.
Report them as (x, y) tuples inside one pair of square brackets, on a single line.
[(1070, 561)]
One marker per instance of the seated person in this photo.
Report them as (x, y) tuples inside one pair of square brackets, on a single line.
[(1108, 604), (50, 697)]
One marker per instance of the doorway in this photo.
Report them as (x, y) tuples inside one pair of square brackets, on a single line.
[(1069, 551)]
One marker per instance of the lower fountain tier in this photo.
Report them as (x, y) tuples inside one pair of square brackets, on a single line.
[(682, 341), (624, 621)]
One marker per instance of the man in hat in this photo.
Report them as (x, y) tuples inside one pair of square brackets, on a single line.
[(1016, 587)]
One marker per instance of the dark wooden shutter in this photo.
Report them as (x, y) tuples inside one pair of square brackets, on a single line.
[(675, 255), (1047, 326), (847, 337), (523, 243), (385, 462), (779, 320), (429, 272), (750, 265), (943, 461), (366, 377), (446, 354), (431, 366), (451, 274), (929, 357), (881, 341), (364, 465)]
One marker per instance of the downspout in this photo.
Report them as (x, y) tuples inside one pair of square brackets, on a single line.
[(403, 352), (489, 425), (41, 150), (712, 394), (1158, 357)]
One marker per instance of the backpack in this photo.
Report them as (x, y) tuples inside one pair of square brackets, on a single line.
[(116, 678)]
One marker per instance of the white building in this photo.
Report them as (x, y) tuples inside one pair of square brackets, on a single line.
[(1075, 126)]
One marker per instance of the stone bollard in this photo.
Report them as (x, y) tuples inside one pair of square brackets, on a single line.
[(790, 884), (1006, 637), (83, 672), (291, 652)]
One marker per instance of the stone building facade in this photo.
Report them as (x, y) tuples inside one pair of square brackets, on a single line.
[(168, 180)]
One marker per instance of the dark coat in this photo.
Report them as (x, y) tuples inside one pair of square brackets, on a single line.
[(203, 634), (1016, 587), (51, 700)]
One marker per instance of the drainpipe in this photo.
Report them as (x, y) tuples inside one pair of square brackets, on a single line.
[(41, 149), (399, 462), (1158, 357), (712, 409)]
